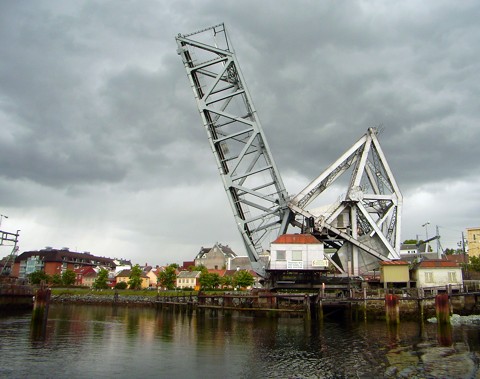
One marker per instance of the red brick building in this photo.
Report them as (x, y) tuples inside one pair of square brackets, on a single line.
[(56, 261)]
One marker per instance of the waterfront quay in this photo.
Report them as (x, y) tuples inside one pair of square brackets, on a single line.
[(378, 304), (411, 305), (15, 295)]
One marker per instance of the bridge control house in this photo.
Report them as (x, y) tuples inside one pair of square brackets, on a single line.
[(297, 252)]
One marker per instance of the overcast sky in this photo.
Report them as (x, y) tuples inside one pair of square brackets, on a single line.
[(102, 148)]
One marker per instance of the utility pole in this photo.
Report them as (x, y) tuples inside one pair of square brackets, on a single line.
[(439, 245), (465, 260)]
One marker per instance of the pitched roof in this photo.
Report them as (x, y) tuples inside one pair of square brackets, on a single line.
[(233, 272), (437, 263), (127, 273), (296, 239), (219, 272), (84, 270), (188, 274), (394, 263), (459, 258), (65, 255)]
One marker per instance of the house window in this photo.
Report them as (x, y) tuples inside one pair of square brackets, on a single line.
[(281, 255), (297, 255), (429, 277), (452, 277)]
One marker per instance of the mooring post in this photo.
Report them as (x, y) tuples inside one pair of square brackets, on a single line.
[(392, 309), (421, 303), (42, 301), (364, 303), (306, 302), (40, 311), (442, 308), (200, 303)]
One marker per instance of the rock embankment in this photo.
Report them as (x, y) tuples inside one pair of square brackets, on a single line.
[(103, 299)]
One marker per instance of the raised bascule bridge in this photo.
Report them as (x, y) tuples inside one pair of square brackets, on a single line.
[(355, 233)]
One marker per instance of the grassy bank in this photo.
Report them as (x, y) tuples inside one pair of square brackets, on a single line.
[(123, 293)]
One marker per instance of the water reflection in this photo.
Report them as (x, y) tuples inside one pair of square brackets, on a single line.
[(93, 341)]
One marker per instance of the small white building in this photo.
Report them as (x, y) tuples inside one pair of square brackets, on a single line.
[(408, 249), (297, 252), (437, 273)]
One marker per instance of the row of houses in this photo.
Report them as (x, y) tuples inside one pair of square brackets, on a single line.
[(185, 279), (288, 251), (219, 259), (421, 273)]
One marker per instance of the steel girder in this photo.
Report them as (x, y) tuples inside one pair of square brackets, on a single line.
[(248, 171), (372, 205)]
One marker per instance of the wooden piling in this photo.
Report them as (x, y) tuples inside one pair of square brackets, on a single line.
[(444, 334), (442, 308), (306, 304), (392, 309), (40, 311)]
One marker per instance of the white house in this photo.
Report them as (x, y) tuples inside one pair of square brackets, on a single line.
[(407, 249), (437, 273), (297, 252), (188, 279)]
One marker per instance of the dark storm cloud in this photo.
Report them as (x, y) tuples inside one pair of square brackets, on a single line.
[(331, 70), (99, 121)]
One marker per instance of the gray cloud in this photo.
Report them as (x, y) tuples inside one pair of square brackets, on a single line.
[(102, 147)]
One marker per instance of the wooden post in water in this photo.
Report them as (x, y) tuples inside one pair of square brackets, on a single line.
[(200, 303), (319, 304), (392, 309), (442, 308), (306, 304), (421, 303), (40, 311)]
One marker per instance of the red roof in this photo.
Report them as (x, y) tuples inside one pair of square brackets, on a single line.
[(437, 263), (220, 273), (297, 239), (458, 258), (394, 263)]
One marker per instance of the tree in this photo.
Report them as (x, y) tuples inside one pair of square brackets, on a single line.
[(453, 251), (168, 277), (227, 281), (474, 263), (200, 268), (209, 280), (121, 286), (37, 277), (243, 279), (101, 282), (56, 279), (68, 277), (135, 281)]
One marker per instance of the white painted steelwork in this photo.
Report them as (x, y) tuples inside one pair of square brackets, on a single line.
[(250, 177), (364, 227), (372, 206)]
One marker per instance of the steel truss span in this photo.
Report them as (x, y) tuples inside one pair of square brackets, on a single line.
[(248, 171), (365, 224), (361, 228)]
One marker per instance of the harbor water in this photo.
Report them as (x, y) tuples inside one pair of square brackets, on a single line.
[(86, 341)]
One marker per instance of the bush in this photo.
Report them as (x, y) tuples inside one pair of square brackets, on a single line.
[(121, 286)]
